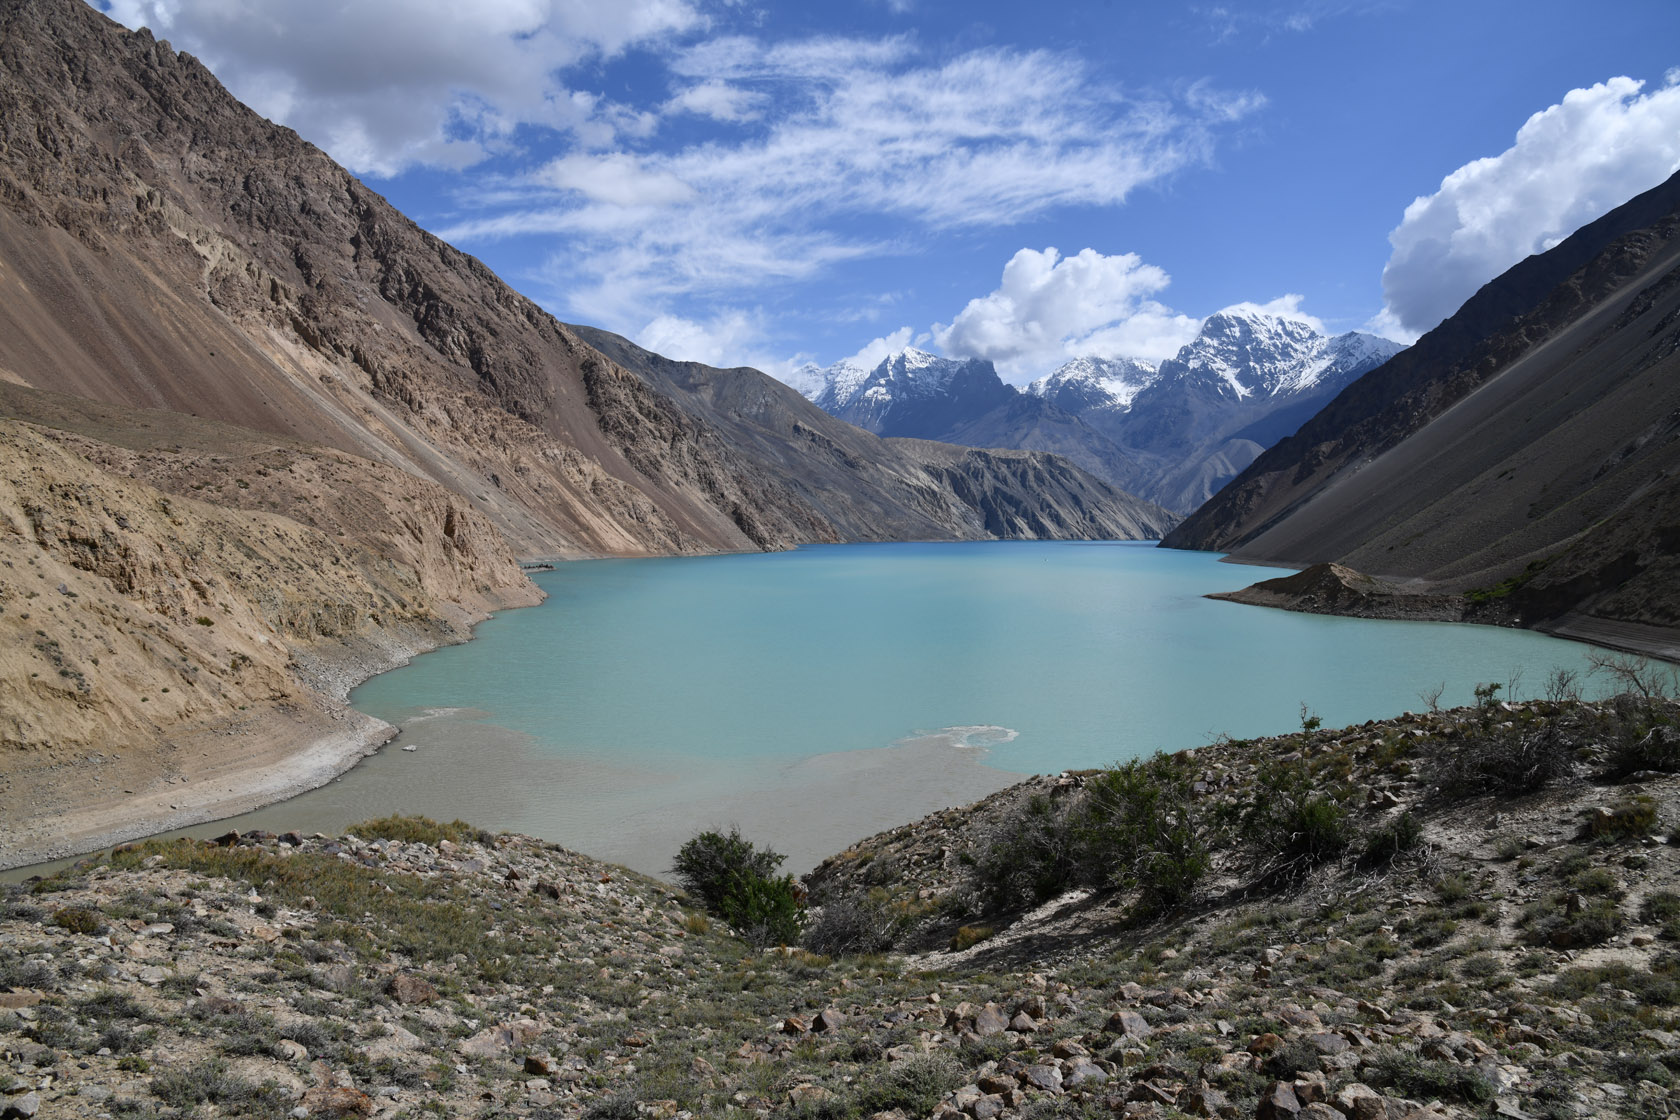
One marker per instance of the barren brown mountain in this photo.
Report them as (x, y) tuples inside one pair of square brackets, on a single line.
[(1523, 454)]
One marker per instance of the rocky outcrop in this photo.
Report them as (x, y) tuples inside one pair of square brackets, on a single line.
[(1334, 589), (866, 488)]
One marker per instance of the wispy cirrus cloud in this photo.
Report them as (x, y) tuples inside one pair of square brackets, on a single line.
[(871, 147)]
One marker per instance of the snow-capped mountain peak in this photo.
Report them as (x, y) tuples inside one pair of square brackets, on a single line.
[(907, 374), (1243, 352), (1093, 383)]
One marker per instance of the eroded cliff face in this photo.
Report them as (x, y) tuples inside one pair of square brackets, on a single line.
[(195, 604)]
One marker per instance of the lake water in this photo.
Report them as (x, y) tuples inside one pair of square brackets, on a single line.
[(818, 696)]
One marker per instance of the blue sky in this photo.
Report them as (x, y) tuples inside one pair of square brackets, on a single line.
[(768, 184)]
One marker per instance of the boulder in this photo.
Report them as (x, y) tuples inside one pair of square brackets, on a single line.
[(1129, 1024), (989, 1020), (408, 990), (336, 1101), (1278, 1102)]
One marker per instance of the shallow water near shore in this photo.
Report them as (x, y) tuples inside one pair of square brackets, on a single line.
[(818, 696)]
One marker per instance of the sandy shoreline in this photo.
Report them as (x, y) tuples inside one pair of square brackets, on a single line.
[(54, 809), (268, 767)]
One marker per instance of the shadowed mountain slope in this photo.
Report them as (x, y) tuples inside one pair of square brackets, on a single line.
[(1527, 447)]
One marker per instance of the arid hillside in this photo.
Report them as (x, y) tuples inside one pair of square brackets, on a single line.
[(1452, 937)]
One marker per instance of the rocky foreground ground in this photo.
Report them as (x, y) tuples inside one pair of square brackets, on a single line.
[(1516, 957)]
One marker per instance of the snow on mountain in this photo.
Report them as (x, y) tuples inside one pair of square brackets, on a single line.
[(910, 374), (1244, 352), (1092, 383)]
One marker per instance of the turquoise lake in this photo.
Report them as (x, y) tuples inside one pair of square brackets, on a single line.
[(817, 696)]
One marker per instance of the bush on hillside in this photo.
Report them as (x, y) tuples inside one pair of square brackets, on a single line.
[(1135, 829), (737, 881), (1027, 858), (1292, 821)]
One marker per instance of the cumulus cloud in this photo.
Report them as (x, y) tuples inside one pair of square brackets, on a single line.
[(1571, 163), (1049, 308), (1283, 307), (386, 84)]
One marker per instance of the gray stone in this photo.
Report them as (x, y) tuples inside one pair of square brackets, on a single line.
[(1082, 1072), (1129, 1024), (989, 1020), (22, 1107), (1047, 1078), (1278, 1102)]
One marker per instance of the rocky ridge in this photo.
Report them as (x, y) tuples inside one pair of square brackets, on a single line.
[(416, 968)]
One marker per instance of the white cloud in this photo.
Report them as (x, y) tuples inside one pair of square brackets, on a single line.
[(386, 84), (618, 179), (730, 338), (1283, 307), (1049, 309), (873, 354), (718, 100), (1571, 163)]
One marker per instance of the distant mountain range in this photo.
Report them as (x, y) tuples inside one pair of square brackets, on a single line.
[(1526, 451), (1172, 434)]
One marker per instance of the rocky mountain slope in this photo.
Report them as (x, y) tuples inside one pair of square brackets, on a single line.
[(873, 489), (1247, 380), (1172, 434), (917, 395), (1523, 452), (1512, 955)]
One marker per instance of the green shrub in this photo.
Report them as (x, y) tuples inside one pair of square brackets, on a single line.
[(968, 936), (915, 1086), (77, 919), (1135, 828), (213, 1082), (1563, 920), (1628, 820), (1417, 1077), (1292, 820), (1662, 908), (851, 926), (1026, 858), (1515, 760), (738, 882)]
